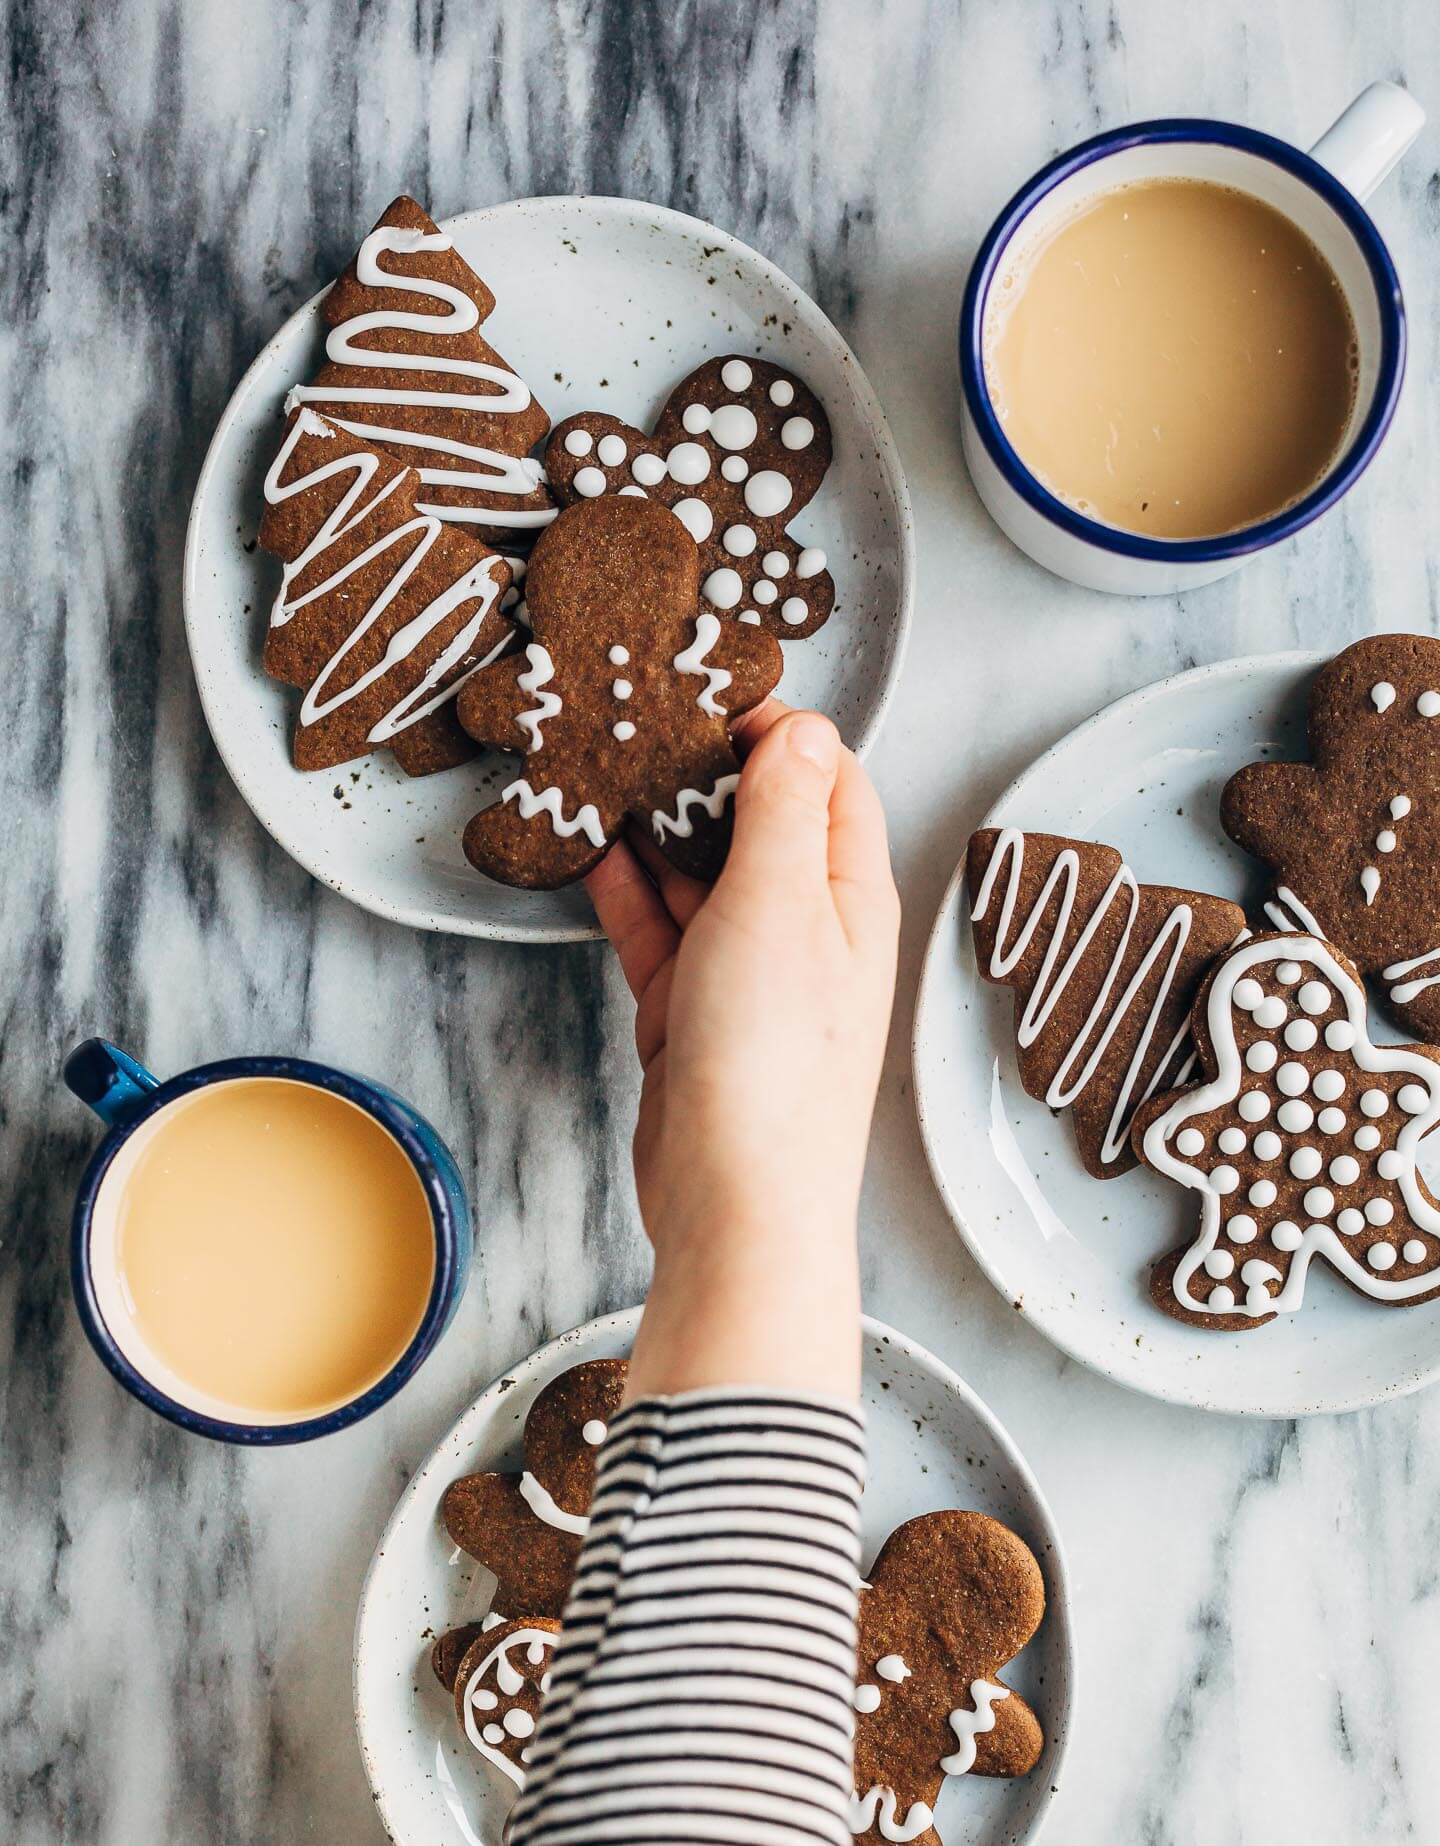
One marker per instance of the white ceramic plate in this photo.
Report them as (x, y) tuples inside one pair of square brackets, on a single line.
[(1072, 1253), (932, 1444), (621, 299)]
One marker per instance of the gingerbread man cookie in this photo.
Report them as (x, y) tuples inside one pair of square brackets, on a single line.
[(1301, 1141), (1353, 837), (527, 1528), (951, 1599), (383, 609), (739, 449), (499, 1686), (408, 371), (621, 702), (1104, 971)]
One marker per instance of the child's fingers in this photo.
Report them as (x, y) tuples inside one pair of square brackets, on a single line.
[(748, 729), (861, 880), (782, 811), (633, 916), (681, 895)]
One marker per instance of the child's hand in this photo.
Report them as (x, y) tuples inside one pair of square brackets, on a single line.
[(762, 1013)]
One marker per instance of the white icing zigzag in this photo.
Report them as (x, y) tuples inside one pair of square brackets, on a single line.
[(876, 1807), (477, 583), (692, 660), (968, 1725), (680, 823), (541, 671), (550, 801), (491, 472)]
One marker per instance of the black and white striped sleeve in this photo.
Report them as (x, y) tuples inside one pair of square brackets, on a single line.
[(702, 1685)]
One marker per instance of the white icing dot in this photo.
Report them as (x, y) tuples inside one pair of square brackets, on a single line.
[(1381, 1256), (1241, 1228), (1288, 973), (648, 470), (776, 564), (768, 493), (1285, 1235), (519, 1723), (1248, 993), (1254, 1106), (635, 493), (623, 730), (733, 426), (1399, 807), (811, 562), (764, 591), (752, 616), (1221, 1299), (688, 463), (867, 1698), (1224, 1179), (1319, 1202), (1374, 1102), (736, 375), (1340, 1035), (1379, 1211), (1367, 1137), (1414, 1251), (1385, 840), (493, 1734), (1295, 1116), (1369, 884), (797, 432), (782, 392), (696, 518), (1330, 1121), (1413, 1098), (1329, 1085), (1232, 1141), (578, 442), (1315, 996), (484, 1699), (619, 656), (695, 419), (734, 467), (893, 1668), (1219, 1263), (739, 541), (1262, 1193), (1271, 1012), (1344, 1169), (1305, 1162), (611, 450), (1382, 696), (794, 610), (1292, 1079), (621, 688), (1391, 1164), (1428, 704), (1350, 1223), (590, 482), (1301, 1034), (1261, 1057), (1257, 1274), (1267, 1145), (1189, 1142), (723, 588)]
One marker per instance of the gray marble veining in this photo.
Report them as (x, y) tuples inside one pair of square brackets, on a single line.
[(1257, 1605)]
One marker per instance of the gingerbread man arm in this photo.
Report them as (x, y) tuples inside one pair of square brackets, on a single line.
[(1263, 804), (489, 1518)]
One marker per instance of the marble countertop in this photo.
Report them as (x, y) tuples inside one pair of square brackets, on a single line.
[(1257, 1602)]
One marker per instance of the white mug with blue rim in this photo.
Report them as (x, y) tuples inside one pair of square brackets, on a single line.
[(1320, 192)]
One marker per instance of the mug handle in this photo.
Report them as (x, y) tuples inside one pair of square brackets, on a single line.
[(1364, 143), (109, 1080)]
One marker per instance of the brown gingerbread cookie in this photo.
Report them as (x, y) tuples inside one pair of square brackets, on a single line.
[(407, 370), (450, 1648), (382, 610), (527, 1528), (951, 1599), (1300, 1140), (1104, 971), (739, 449), (499, 1687), (1353, 837), (622, 702)]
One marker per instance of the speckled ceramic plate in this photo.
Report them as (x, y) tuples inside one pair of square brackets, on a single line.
[(932, 1444), (603, 303), (1072, 1253)]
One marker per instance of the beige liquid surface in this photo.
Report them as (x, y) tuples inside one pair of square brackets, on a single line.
[(1175, 359), (274, 1245)]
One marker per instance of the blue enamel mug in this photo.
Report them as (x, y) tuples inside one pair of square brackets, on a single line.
[(127, 1097)]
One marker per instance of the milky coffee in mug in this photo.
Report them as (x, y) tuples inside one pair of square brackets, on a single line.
[(1174, 358)]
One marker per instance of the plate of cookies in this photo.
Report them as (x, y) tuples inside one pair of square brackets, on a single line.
[(1193, 1142), (460, 1609), (458, 619)]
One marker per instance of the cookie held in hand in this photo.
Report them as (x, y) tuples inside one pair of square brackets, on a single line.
[(1104, 971), (739, 449), (952, 1598), (621, 702), (1301, 1141), (1353, 838), (527, 1528)]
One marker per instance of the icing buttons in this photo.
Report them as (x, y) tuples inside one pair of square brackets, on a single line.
[(648, 469), (695, 419), (739, 541), (768, 493), (794, 610), (688, 463), (611, 450), (733, 426), (1382, 696), (775, 564), (723, 588), (782, 392), (696, 518), (736, 375), (810, 562), (579, 442), (797, 433), (623, 730), (590, 482), (764, 591), (734, 467), (619, 656)]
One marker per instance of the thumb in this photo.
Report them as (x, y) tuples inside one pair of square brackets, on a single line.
[(782, 808)]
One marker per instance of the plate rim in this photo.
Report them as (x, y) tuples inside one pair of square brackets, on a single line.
[(887, 456), (1293, 660), (1058, 1606)]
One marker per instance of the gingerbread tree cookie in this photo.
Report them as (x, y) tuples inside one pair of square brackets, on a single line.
[(528, 1528), (1301, 1142), (951, 1599), (382, 609), (739, 449), (1104, 970), (408, 371), (621, 702), (1353, 838)]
